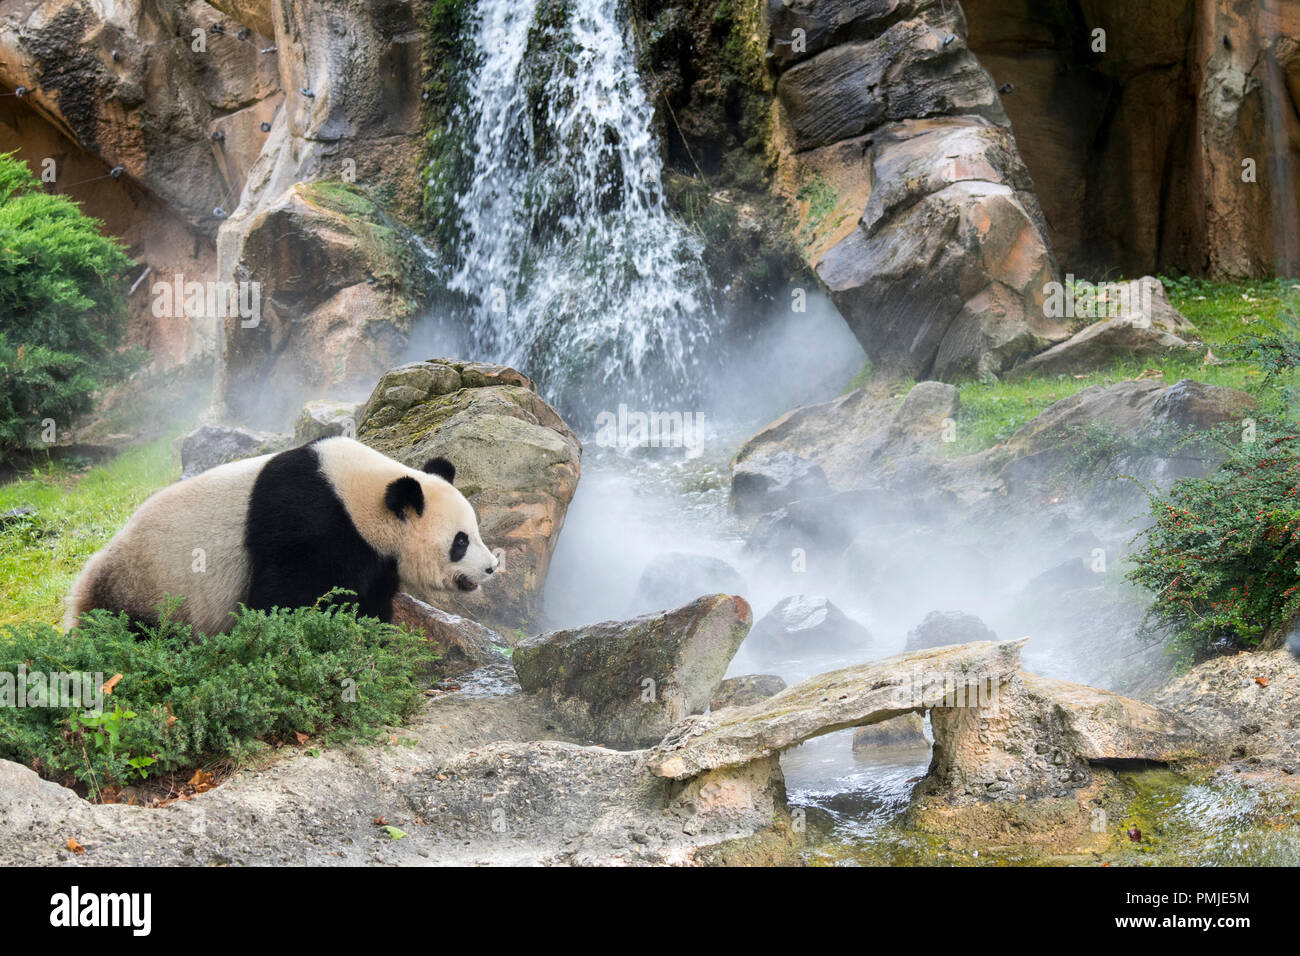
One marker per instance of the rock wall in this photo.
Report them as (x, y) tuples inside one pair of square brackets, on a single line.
[(914, 209), (1136, 139), (211, 114)]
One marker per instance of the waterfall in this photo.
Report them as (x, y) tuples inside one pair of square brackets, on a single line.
[(566, 262)]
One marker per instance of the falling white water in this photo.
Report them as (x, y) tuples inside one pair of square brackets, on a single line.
[(572, 267)]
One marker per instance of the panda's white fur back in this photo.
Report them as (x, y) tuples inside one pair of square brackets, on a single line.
[(333, 513), (187, 539)]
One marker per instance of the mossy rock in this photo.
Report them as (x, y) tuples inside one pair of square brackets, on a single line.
[(517, 463)]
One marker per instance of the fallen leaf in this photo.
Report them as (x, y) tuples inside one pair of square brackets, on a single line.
[(1261, 681), (74, 846), (381, 821), (111, 683), (302, 738), (202, 781), (395, 832)]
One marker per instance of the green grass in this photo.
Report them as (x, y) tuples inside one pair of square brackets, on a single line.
[(991, 413), (78, 510)]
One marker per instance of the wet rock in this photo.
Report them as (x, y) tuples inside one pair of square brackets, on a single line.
[(906, 732), (803, 626), (463, 644), (211, 445), (749, 689), (516, 460), (943, 628), (324, 419), (763, 484), (675, 578), (625, 683)]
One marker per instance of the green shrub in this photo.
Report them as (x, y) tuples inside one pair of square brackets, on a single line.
[(325, 673), (1223, 553), (62, 316)]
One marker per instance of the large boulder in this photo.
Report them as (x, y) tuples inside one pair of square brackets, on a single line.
[(1138, 411), (675, 578), (624, 684), (915, 211), (947, 272), (1250, 702), (338, 290), (906, 71), (760, 484), (804, 626), (516, 461), (943, 628), (211, 445), (851, 440)]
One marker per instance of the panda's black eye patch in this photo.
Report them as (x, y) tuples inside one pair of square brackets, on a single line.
[(459, 545)]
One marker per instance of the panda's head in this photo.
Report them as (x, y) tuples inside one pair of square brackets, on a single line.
[(437, 545)]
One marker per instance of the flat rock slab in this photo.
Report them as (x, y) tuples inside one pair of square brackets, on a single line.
[(1099, 345), (851, 697), (1100, 726), (624, 684)]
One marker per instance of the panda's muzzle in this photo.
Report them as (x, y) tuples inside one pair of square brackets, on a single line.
[(465, 584)]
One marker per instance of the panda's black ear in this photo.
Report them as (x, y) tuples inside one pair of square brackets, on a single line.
[(404, 493), (442, 468)]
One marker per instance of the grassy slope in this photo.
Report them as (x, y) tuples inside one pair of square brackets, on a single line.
[(991, 413), (78, 511)]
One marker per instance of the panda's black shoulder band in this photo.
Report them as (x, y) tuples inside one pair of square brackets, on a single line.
[(404, 493), (442, 468)]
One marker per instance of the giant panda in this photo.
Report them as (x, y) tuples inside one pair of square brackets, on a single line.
[(282, 530)]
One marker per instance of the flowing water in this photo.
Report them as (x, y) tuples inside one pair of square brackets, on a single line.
[(570, 267), (570, 264)]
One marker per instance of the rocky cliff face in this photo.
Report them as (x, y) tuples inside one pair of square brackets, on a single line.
[(184, 125), (866, 143), (1136, 136)]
